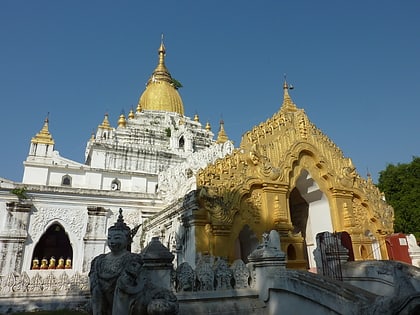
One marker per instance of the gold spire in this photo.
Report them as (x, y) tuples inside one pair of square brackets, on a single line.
[(222, 136), (44, 136), (131, 114), (138, 109), (196, 118), (161, 71), (208, 127), (161, 89), (369, 180), (288, 104), (105, 123), (122, 122)]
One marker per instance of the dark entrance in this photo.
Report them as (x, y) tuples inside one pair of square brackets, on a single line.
[(299, 212), (246, 242), (53, 243)]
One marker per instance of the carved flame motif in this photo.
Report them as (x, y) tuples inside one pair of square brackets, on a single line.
[(360, 216), (253, 204), (263, 164)]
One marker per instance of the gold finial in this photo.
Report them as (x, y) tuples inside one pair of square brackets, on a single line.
[(138, 109), (44, 136), (131, 114), (122, 122), (222, 136), (196, 118), (162, 53), (288, 104), (162, 46), (208, 127), (369, 177)]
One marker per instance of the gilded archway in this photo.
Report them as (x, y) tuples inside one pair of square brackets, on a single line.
[(252, 186)]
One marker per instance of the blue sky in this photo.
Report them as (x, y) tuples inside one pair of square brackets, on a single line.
[(355, 67)]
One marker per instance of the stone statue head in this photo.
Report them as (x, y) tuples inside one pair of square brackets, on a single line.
[(119, 235)]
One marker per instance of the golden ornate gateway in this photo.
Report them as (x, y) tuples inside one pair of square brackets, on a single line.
[(288, 176)]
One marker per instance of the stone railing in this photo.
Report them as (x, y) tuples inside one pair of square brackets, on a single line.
[(43, 283), (211, 273)]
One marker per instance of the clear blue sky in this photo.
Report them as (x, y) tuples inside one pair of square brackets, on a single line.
[(355, 66)]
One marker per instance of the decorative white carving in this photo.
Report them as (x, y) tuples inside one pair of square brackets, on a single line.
[(222, 274), (178, 180), (132, 218), (47, 282), (75, 220), (241, 274), (211, 270), (185, 277)]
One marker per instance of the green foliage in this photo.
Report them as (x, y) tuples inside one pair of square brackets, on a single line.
[(401, 185), (168, 132), (177, 85), (20, 193)]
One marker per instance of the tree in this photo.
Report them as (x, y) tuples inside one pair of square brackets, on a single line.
[(401, 185)]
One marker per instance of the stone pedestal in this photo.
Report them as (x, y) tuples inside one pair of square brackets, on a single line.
[(266, 260), (13, 236), (95, 237), (157, 259)]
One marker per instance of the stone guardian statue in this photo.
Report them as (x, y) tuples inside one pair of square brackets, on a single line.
[(118, 283)]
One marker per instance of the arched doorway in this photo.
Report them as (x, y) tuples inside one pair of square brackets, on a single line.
[(53, 243), (309, 212), (181, 142), (246, 242)]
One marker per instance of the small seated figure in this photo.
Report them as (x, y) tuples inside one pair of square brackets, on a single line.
[(35, 264), (52, 263), (44, 263), (117, 283), (68, 263), (60, 263)]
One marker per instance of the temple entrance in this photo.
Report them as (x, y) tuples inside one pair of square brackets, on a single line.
[(310, 213), (246, 242), (54, 243)]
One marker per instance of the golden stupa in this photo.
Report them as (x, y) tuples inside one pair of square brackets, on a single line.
[(161, 89)]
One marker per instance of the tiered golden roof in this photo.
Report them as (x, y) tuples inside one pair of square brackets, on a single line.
[(161, 90), (105, 123), (44, 136)]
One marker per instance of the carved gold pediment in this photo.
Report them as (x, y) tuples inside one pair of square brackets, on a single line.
[(275, 152)]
